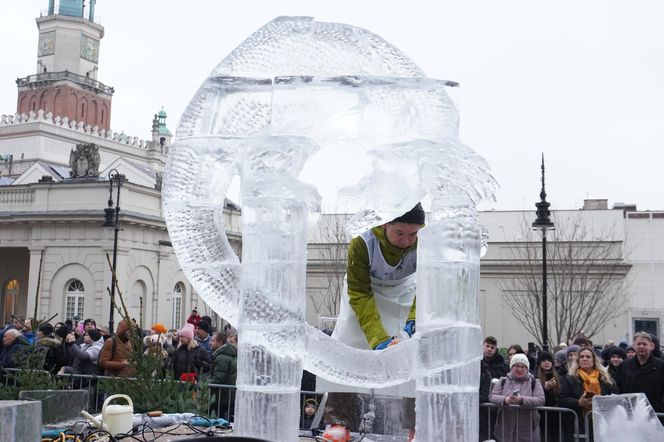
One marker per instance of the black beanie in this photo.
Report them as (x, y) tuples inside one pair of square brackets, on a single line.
[(63, 331), (618, 351), (205, 326), (94, 334), (47, 329), (413, 216), (544, 356)]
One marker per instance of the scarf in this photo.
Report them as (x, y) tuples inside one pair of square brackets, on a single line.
[(591, 381)]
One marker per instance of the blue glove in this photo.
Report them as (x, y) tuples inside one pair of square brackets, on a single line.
[(383, 345), (410, 327)]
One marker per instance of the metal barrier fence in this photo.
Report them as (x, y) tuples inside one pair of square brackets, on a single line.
[(552, 424)]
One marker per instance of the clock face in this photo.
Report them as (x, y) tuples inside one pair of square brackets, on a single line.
[(47, 43), (89, 48)]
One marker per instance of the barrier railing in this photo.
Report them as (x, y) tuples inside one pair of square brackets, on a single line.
[(552, 424)]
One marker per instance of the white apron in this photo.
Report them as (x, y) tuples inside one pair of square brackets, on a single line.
[(393, 298)]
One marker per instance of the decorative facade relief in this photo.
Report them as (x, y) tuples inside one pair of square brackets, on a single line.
[(84, 161)]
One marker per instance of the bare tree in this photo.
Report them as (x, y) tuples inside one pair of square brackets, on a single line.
[(327, 263), (587, 283)]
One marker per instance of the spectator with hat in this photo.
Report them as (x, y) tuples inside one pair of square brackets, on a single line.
[(203, 337), (548, 377), (521, 388), (158, 329), (616, 357), (560, 362), (308, 415), (630, 352), (88, 324), (189, 358)]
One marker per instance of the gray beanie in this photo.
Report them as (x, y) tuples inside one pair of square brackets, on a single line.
[(560, 357)]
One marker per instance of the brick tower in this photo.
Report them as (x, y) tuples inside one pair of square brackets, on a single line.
[(66, 79)]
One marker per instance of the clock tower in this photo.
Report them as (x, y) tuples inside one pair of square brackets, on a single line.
[(65, 83)]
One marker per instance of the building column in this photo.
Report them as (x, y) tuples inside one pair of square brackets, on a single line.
[(34, 277)]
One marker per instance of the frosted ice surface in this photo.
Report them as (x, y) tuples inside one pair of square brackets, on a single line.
[(625, 418), (295, 91)]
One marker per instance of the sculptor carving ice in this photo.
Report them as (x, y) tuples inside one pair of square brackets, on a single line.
[(294, 88)]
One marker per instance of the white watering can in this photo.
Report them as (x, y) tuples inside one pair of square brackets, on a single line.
[(117, 418)]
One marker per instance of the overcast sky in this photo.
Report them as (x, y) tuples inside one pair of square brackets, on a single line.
[(581, 81)]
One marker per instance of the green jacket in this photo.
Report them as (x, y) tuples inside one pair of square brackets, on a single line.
[(360, 294), (224, 365)]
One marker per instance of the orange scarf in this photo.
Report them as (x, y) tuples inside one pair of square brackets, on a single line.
[(591, 381)]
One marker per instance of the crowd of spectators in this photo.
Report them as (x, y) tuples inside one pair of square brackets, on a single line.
[(569, 378), (80, 347)]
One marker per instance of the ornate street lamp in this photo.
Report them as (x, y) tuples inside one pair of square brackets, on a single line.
[(111, 215), (544, 223)]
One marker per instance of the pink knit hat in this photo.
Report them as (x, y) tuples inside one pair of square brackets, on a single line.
[(187, 331)]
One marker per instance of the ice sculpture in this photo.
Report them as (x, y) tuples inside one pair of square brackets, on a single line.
[(292, 90), (625, 418)]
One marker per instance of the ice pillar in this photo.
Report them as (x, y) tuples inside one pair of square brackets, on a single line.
[(271, 343), (448, 274)]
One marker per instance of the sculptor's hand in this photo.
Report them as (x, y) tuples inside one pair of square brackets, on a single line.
[(387, 343)]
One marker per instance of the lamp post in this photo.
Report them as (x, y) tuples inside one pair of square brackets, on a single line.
[(111, 215), (544, 223)]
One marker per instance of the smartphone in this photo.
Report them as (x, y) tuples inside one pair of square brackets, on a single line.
[(515, 392)]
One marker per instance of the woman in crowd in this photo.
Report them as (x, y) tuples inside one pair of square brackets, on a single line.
[(548, 377), (587, 378), (519, 387), (616, 357), (189, 358)]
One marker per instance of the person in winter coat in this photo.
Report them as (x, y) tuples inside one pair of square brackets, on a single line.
[(194, 318), (13, 345), (189, 359), (86, 356), (224, 372), (493, 359), (643, 373), (308, 415), (117, 351), (550, 381), (616, 357), (587, 378), (517, 394), (55, 350)]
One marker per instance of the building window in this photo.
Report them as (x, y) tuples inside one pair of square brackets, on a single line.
[(178, 291), (648, 325), (9, 300), (75, 300)]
